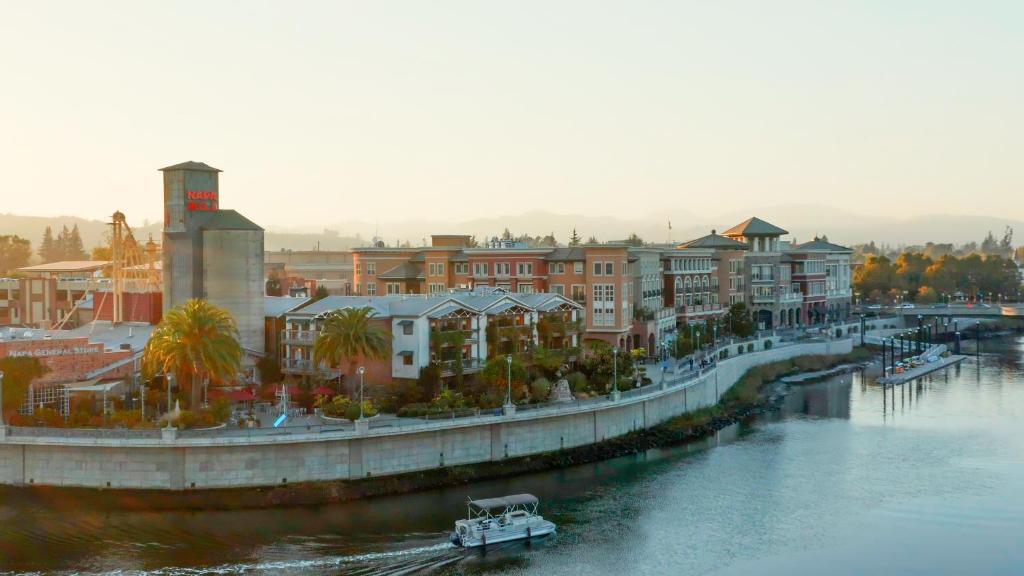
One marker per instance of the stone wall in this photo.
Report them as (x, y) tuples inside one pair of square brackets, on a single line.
[(218, 462)]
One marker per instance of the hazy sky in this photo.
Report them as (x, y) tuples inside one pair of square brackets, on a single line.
[(321, 112)]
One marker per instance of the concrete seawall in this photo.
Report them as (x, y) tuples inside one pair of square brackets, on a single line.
[(234, 462)]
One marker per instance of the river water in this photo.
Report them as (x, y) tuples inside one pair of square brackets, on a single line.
[(843, 480)]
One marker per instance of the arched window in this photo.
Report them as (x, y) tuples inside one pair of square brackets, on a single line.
[(707, 283), (679, 285), (689, 285)]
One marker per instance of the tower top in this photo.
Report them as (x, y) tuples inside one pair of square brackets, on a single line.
[(191, 165)]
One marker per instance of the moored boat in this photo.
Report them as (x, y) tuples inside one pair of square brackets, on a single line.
[(493, 520)]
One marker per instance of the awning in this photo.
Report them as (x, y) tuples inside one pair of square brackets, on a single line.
[(504, 501), (406, 353), (92, 386), (404, 323)]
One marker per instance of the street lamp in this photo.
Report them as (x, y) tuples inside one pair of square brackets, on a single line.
[(1, 399), (615, 372), (361, 372), (508, 399), (168, 378)]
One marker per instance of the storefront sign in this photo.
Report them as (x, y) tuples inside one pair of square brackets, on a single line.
[(43, 352)]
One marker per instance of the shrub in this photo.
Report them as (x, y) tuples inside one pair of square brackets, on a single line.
[(768, 344), (578, 382), (540, 389), (352, 412), (337, 407)]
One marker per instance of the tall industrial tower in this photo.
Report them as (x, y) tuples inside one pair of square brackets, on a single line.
[(211, 253)]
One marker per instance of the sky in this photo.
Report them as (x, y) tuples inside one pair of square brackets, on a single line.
[(323, 112)]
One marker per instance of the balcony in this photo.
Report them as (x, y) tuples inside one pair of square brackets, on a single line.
[(469, 366), (300, 337), (698, 309), (763, 298), (793, 297), (306, 366)]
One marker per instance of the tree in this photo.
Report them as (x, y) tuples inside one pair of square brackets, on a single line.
[(1006, 244), (349, 335), (193, 341), (19, 372), (989, 245), (737, 321), (495, 374), (273, 285), (15, 253), (877, 273), (600, 364), (74, 249), (270, 370), (575, 239), (634, 240), (321, 292), (100, 253), (927, 295), (592, 240), (48, 248), (910, 270)]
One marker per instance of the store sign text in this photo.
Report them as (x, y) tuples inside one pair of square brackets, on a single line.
[(201, 200)]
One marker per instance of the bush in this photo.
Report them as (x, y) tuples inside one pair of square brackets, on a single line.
[(352, 412), (540, 389), (578, 382), (768, 344), (337, 407)]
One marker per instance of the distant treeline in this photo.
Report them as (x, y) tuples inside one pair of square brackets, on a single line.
[(918, 277)]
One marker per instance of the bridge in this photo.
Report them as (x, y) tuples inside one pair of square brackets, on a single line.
[(995, 310)]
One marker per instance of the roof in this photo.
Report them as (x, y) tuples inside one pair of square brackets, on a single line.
[(275, 306), (504, 501), (715, 242), (570, 254), (404, 271), (112, 336), (755, 227), (67, 266), (819, 245), (227, 220), (191, 165)]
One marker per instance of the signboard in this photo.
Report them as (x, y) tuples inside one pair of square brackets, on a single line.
[(201, 200), (43, 352)]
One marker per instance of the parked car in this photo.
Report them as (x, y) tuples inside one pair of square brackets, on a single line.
[(875, 307), (907, 305), (941, 305)]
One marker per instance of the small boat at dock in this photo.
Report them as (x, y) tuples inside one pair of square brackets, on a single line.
[(494, 520)]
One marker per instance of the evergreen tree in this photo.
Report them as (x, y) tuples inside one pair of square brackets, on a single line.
[(575, 239), (60, 246), (75, 249), (47, 250), (15, 252), (592, 240)]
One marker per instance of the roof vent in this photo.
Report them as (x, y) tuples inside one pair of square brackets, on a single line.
[(713, 231)]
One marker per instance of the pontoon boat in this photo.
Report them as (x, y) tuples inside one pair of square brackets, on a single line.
[(494, 520)]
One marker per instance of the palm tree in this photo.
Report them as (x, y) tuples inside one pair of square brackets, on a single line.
[(347, 335), (193, 341)]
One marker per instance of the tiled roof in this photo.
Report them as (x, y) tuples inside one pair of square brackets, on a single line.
[(819, 245), (755, 227), (715, 241)]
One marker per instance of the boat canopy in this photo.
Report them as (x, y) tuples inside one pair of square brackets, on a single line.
[(504, 501)]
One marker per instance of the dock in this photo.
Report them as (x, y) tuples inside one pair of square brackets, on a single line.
[(925, 368)]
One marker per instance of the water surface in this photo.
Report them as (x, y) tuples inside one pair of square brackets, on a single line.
[(845, 479)]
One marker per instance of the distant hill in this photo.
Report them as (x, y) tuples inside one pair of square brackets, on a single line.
[(802, 221)]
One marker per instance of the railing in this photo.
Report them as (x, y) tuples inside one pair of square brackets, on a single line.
[(299, 366), (114, 433), (694, 309), (468, 365), (299, 336)]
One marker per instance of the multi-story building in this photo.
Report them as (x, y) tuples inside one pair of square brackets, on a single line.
[(310, 269), (653, 320), (459, 331), (769, 292), (597, 277), (822, 274)]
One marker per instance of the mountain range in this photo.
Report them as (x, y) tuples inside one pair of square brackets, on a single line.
[(803, 221)]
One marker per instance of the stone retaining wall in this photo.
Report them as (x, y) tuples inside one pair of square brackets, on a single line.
[(195, 463)]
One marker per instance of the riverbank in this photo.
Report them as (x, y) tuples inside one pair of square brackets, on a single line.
[(747, 398)]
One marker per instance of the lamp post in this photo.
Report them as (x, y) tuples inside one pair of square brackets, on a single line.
[(508, 397), (615, 373), (168, 378), (1, 399), (361, 371)]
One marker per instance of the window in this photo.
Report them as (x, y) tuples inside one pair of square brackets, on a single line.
[(598, 268), (406, 359), (359, 268), (371, 288), (609, 268), (556, 268), (371, 268), (440, 268), (433, 269), (577, 267), (579, 293), (502, 269), (525, 288), (407, 329), (524, 268), (394, 288), (480, 268), (437, 288), (558, 289), (461, 267), (604, 304)]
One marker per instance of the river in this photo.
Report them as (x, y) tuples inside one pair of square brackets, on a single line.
[(841, 480)]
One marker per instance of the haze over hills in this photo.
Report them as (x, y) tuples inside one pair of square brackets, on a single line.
[(804, 221)]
